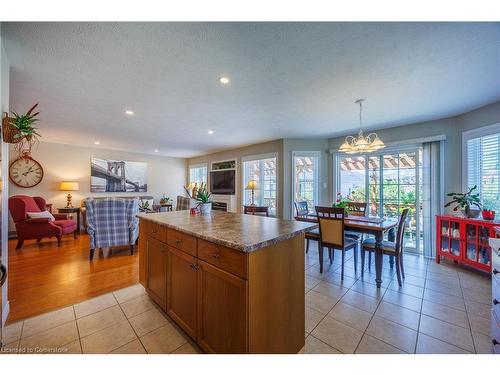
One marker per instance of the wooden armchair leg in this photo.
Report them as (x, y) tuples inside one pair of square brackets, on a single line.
[(59, 240), (38, 240), (19, 244), (91, 255), (75, 234), (131, 249)]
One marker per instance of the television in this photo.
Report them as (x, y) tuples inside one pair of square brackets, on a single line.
[(223, 182)]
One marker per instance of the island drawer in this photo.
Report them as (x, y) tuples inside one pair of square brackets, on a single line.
[(154, 230), (229, 260), (181, 241)]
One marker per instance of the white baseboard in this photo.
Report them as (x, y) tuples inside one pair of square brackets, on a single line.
[(5, 312)]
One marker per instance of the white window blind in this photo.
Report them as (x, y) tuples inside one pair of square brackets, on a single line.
[(483, 168)]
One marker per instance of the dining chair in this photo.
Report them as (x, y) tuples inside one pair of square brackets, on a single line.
[(332, 235), (302, 210), (357, 208), (394, 249), (259, 210)]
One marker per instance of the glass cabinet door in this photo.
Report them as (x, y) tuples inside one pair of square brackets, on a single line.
[(445, 236), (484, 253), (471, 244)]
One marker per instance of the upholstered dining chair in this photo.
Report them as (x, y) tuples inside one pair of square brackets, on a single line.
[(332, 235), (302, 210), (112, 222), (357, 208), (256, 210), (183, 203), (390, 248)]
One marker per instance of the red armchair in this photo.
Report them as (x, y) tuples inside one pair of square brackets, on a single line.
[(38, 228)]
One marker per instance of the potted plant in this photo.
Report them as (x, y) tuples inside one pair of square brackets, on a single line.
[(466, 202), (21, 131), (341, 202), (165, 200), (488, 214), (204, 199)]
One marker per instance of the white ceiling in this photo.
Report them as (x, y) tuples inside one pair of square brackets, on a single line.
[(288, 80)]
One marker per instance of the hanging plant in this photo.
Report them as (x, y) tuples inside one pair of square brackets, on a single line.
[(25, 135)]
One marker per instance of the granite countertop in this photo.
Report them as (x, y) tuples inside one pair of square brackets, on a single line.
[(237, 231)]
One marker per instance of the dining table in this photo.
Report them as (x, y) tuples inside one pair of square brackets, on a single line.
[(375, 226)]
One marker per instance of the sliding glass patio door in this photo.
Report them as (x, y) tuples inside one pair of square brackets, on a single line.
[(389, 183), (306, 178)]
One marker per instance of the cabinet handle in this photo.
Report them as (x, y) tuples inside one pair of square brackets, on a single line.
[(495, 342), (216, 255), (495, 301), (178, 242), (495, 271), (194, 266)]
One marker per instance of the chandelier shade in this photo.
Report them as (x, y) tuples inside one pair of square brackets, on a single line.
[(361, 143)]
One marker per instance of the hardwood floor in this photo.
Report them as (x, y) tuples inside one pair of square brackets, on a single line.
[(44, 277)]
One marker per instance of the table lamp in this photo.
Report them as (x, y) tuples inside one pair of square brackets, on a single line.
[(252, 184), (69, 186)]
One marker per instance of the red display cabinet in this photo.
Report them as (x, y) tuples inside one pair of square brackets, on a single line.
[(465, 240)]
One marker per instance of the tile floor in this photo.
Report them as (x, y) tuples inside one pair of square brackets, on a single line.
[(439, 309), (122, 322)]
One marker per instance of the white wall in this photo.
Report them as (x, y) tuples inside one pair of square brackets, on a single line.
[(4, 186), (61, 162)]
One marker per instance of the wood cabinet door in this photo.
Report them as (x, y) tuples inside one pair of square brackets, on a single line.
[(182, 289), (222, 310), (157, 271)]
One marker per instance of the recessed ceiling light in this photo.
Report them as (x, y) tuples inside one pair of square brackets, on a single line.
[(97, 142), (224, 80), (157, 151), (210, 132), (129, 112)]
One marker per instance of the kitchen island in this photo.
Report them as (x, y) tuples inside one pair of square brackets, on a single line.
[(234, 283)]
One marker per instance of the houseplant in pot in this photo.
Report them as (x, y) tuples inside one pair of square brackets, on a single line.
[(341, 202), (469, 203), (23, 132), (204, 199), (165, 200)]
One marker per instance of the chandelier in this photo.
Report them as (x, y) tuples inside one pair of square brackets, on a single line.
[(361, 144)]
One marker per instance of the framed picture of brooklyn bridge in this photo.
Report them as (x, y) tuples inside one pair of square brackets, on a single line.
[(110, 176)]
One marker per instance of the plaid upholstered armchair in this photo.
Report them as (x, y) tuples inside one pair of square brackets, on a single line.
[(112, 222)]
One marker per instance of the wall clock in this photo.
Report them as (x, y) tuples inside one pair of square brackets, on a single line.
[(25, 173)]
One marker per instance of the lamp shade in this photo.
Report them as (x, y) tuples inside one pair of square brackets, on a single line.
[(70, 186), (252, 184)]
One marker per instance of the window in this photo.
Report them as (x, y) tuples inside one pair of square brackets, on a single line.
[(388, 183), (306, 178), (198, 174), (482, 164), (262, 170)]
